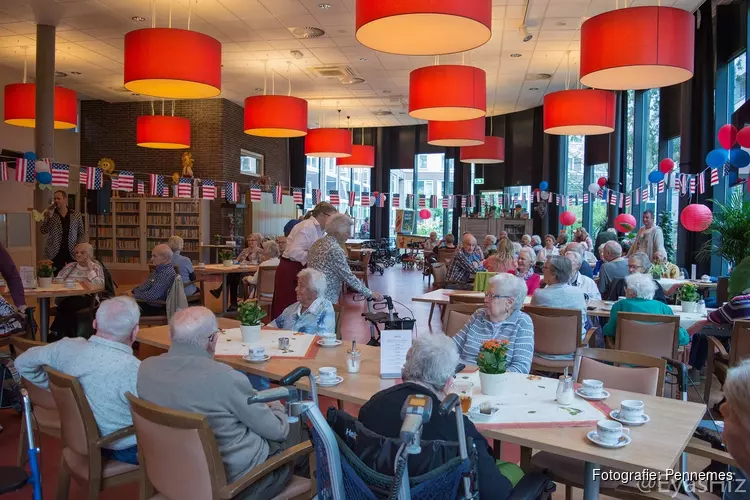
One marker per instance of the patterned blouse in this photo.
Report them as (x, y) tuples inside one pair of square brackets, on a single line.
[(72, 271), (318, 319), (327, 256), (249, 255)]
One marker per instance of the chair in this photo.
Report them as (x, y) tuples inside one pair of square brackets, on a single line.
[(653, 334), (162, 319), (456, 316), (181, 460), (719, 365), (265, 284), (439, 272), (557, 335), (445, 255), (337, 308), (465, 298), (363, 273), (23, 326), (82, 444)]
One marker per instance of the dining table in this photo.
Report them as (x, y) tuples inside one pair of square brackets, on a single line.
[(223, 270), (657, 445)]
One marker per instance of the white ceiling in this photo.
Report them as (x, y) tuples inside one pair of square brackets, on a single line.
[(90, 41)]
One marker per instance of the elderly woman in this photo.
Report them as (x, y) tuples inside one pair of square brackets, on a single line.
[(270, 257), (586, 284), (536, 243), (281, 242), (502, 261), (736, 413), (489, 245), (639, 293), (558, 293), (525, 270), (526, 240), (184, 265), (327, 256), (549, 248), (501, 318), (252, 254), (312, 313), (428, 370), (666, 268)]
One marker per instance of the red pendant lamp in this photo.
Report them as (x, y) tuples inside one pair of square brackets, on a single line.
[(423, 27), (362, 157), (637, 48), (492, 151), (162, 132), (328, 143), (579, 112), (447, 93), (172, 63), (275, 116), (20, 106), (455, 134)]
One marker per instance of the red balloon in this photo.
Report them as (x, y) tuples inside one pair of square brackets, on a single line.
[(666, 165), (727, 136), (625, 223), (743, 137), (567, 218), (602, 181), (696, 217), (424, 214)]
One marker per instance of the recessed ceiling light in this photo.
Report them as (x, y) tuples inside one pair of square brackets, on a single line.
[(561, 23), (258, 89), (386, 91), (60, 74), (515, 54), (324, 6), (363, 59), (138, 19), (533, 88), (75, 73)]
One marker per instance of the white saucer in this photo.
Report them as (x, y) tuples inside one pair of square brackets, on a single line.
[(334, 344), (265, 358), (603, 395), (615, 414), (594, 438), (339, 379)]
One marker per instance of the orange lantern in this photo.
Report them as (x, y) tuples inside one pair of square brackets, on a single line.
[(637, 48), (172, 63), (162, 132), (20, 106), (275, 116), (328, 143), (492, 151), (579, 112), (447, 93), (362, 157), (454, 134)]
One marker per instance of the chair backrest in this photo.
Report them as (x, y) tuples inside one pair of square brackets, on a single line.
[(152, 267), (337, 312), (740, 348), (465, 298), (653, 334), (556, 331), (79, 430), (266, 283), (21, 345), (446, 254), (456, 316), (366, 260), (178, 451), (722, 290), (625, 371), (439, 272)]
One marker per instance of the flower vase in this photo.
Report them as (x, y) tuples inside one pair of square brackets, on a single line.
[(250, 333), (493, 384), (45, 282), (227, 263), (689, 307)]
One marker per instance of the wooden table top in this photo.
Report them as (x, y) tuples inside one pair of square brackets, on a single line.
[(59, 290), (656, 445), (222, 269)]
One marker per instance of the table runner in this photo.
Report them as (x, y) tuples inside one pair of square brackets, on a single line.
[(301, 345)]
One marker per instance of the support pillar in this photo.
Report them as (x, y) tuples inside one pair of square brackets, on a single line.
[(615, 161)]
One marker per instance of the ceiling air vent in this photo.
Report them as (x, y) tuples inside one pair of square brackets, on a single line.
[(538, 76), (305, 32), (340, 71), (383, 112)]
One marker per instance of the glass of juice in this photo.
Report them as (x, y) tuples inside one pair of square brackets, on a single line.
[(464, 389)]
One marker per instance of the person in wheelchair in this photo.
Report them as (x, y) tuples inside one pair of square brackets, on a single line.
[(429, 367)]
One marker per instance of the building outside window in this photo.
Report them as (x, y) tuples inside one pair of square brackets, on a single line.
[(673, 196), (599, 206), (652, 146), (251, 163), (575, 178), (431, 176), (737, 97)]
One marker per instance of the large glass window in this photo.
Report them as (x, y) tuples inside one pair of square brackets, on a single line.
[(599, 210), (629, 147), (737, 76), (401, 183), (673, 202), (575, 180), (652, 145), (430, 182)]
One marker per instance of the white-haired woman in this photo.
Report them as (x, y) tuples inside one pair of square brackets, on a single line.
[(312, 313), (639, 293), (667, 269), (586, 284), (500, 319), (327, 256), (271, 253), (489, 245), (526, 240), (251, 254), (525, 270), (184, 265), (557, 271), (736, 413), (536, 243)]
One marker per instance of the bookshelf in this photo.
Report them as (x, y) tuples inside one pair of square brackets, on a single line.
[(124, 239)]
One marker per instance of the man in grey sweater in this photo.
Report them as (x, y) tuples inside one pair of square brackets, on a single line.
[(614, 268), (187, 378)]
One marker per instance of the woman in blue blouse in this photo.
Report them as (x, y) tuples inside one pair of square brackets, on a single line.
[(312, 313)]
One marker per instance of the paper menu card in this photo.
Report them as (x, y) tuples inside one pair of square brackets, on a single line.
[(394, 344), (28, 277)]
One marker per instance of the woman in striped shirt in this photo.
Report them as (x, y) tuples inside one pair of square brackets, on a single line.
[(501, 318)]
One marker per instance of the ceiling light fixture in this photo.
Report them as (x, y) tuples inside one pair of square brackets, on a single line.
[(162, 132), (455, 134), (138, 19), (20, 106), (515, 54), (492, 151), (525, 35), (324, 6), (363, 156), (579, 112), (328, 143), (447, 93), (275, 116)]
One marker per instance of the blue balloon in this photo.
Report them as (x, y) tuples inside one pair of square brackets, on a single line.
[(44, 177), (739, 158), (543, 185), (717, 157), (29, 155), (655, 176)]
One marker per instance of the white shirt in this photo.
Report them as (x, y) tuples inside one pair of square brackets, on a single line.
[(301, 238), (587, 286)]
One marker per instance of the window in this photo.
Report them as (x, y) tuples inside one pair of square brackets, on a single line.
[(401, 183), (251, 163), (629, 147), (737, 76), (599, 210), (673, 202), (575, 179), (652, 146), (431, 182)]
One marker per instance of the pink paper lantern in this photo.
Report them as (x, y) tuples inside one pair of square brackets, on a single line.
[(424, 214), (696, 217), (625, 223), (567, 218), (666, 165), (727, 136)]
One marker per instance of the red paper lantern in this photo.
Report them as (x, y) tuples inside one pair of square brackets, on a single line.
[(666, 165), (421, 27), (696, 217), (328, 143), (492, 151), (275, 116), (579, 112), (625, 223), (162, 132), (447, 93), (362, 157), (20, 106), (567, 218), (743, 137), (424, 214), (172, 63), (727, 136), (602, 181), (456, 134), (637, 48)]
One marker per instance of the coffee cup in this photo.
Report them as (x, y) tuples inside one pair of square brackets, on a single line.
[(257, 352), (327, 339), (70, 284), (327, 374), (631, 409), (592, 387), (201, 264), (610, 432)]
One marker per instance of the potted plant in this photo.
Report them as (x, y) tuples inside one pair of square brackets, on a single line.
[(44, 273), (689, 297), (218, 238), (492, 362), (226, 257), (730, 229), (249, 314)]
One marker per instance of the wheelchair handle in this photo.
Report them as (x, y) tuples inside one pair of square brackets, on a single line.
[(459, 368), (293, 376), (275, 394), (450, 402)]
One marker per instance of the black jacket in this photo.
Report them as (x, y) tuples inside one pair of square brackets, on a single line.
[(616, 289), (382, 414), (586, 269)]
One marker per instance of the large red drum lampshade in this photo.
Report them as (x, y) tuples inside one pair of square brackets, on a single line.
[(328, 143), (637, 48), (492, 151), (423, 27), (579, 112), (447, 93), (362, 157), (275, 116), (455, 134), (162, 132), (20, 106), (172, 63)]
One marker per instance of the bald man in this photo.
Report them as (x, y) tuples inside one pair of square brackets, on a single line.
[(157, 285), (464, 265)]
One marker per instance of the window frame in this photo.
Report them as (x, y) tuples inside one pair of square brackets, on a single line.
[(261, 159)]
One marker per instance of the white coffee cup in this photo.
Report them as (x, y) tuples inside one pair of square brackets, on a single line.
[(328, 339), (631, 409), (592, 387), (327, 374), (201, 264), (610, 431), (257, 352), (70, 284)]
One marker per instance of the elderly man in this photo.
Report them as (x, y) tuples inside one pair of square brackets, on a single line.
[(667, 269), (637, 263), (559, 293), (312, 313), (464, 264), (105, 367), (430, 365), (580, 249), (614, 267), (578, 279), (64, 229), (158, 283), (184, 264), (650, 237), (187, 378)]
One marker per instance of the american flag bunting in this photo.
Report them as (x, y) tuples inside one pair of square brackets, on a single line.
[(644, 194), (126, 180), (165, 191), (463, 201), (585, 198), (255, 193), (317, 196), (277, 195), (409, 201), (298, 196), (82, 175), (157, 184), (333, 196), (622, 200), (352, 198), (94, 178), (714, 176), (701, 183), (60, 174), (232, 192), (661, 186), (364, 198), (684, 183), (471, 200), (395, 200), (612, 198), (422, 201), (637, 196), (446, 201), (692, 185), (208, 190), (433, 201), (3, 170), (627, 201), (114, 183), (141, 188), (184, 188), (381, 201), (25, 170), (538, 196)]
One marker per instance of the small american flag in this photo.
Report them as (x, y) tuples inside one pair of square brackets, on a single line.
[(298, 196), (174, 190), (714, 176), (383, 199), (184, 188), (94, 178), (317, 195), (627, 201), (255, 193), (422, 201), (684, 183), (446, 201), (83, 175), (637, 196), (661, 186), (644, 194), (25, 170), (463, 201), (352, 198), (209, 190), (409, 201), (141, 188), (538, 195), (433, 201), (364, 198), (396, 200), (701, 183), (277, 195), (156, 184), (232, 192), (558, 201), (333, 195), (621, 203), (585, 197), (376, 198), (692, 185), (126, 180), (492, 200), (3, 170), (114, 183), (612, 198), (60, 174), (165, 191)]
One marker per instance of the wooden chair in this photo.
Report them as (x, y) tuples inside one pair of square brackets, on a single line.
[(265, 286), (181, 459), (445, 255), (82, 444), (720, 362), (652, 334), (465, 298), (337, 308), (439, 272), (198, 298), (456, 316), (161, 319), (557, 332), (364, 272)]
